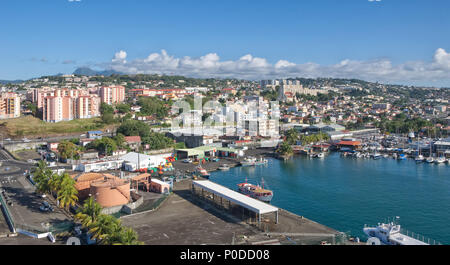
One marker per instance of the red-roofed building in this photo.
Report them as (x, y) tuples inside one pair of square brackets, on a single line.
[(134, 142), (354, 145)]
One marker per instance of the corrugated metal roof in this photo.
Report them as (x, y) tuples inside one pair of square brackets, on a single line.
[(251, 204)]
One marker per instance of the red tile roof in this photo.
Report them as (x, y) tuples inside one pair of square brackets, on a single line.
[(132, 139), (353, 143)]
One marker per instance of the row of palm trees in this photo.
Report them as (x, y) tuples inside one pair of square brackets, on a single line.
[(106, 229), (62, 185)]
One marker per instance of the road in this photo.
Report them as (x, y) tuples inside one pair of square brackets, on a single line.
[(52, 139)]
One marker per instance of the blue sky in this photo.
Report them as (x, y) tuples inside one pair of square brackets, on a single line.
[(336, 38)]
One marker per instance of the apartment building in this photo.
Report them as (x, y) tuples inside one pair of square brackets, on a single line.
[(69, 106), (288, 88), (112, 94), (9, 105)]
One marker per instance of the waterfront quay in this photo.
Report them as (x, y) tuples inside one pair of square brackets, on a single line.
[(211, 166), (185, 219)]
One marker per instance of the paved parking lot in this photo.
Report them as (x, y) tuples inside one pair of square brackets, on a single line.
[(4, 228), (179, 221), (25, 206)]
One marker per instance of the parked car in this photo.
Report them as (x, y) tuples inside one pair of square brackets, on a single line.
[(187, 160), (46, 207)]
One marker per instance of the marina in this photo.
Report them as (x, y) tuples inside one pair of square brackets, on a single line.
[(345, 193)]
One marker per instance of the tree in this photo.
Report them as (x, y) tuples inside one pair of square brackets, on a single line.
[(106, 108), (123, 108), (128, 236), (153, 106), (89, 213), (285, 149), (157, 141), (107, 113), (292, 136), (134, 128), (105, 145), (67, 150), (55, 182), (67, 193), (104, 227), (42, 175)]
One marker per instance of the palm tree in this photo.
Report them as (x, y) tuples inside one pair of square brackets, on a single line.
[(128, 237), (67, 193), (55, 182), (42, 177), (89, 213), (104, 228)]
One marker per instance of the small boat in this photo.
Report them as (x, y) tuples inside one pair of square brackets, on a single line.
[(320, 155), (255, 191), (401, 157), (419, 159), (376, 156), (224, 167), (252, 161), (202, 172), (430, 160), (440, 160)]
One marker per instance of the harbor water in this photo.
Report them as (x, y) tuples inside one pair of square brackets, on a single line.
[(346, 193)]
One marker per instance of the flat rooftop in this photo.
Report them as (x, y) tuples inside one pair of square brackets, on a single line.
[(236, 197)]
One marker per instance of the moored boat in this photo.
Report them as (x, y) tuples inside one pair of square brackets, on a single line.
[(252, 161), (376, 156), (255, 191), (440, 160), (401, 157), (430, 160), (419, 159), (202, 172), (224, 167), (320, 155), (391, 234)]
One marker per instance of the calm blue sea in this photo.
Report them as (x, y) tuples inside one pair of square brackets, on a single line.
[(346, 193)]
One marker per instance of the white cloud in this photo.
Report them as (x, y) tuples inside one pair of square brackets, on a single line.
[(120, 57), (250, 67)]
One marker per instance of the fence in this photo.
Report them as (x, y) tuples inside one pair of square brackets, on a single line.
[(5, 210), (419, 237), (54, 228), (145, 207)]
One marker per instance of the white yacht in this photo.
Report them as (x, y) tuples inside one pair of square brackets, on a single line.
[(252, 161), (430, 159), (419, 158), (440, 160), (390, 234)]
